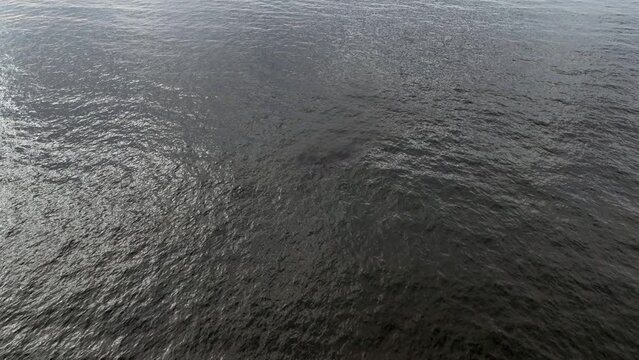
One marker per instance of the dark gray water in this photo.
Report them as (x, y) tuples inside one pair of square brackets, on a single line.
[(382, 179)]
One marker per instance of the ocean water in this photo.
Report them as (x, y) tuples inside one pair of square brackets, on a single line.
[(319, 179)]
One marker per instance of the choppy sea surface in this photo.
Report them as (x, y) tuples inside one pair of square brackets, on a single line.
[(319, 179)]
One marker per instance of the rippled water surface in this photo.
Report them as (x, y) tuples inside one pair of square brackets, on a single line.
[(319, 179)]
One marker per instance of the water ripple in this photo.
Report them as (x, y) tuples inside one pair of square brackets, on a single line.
[(314, 179)]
